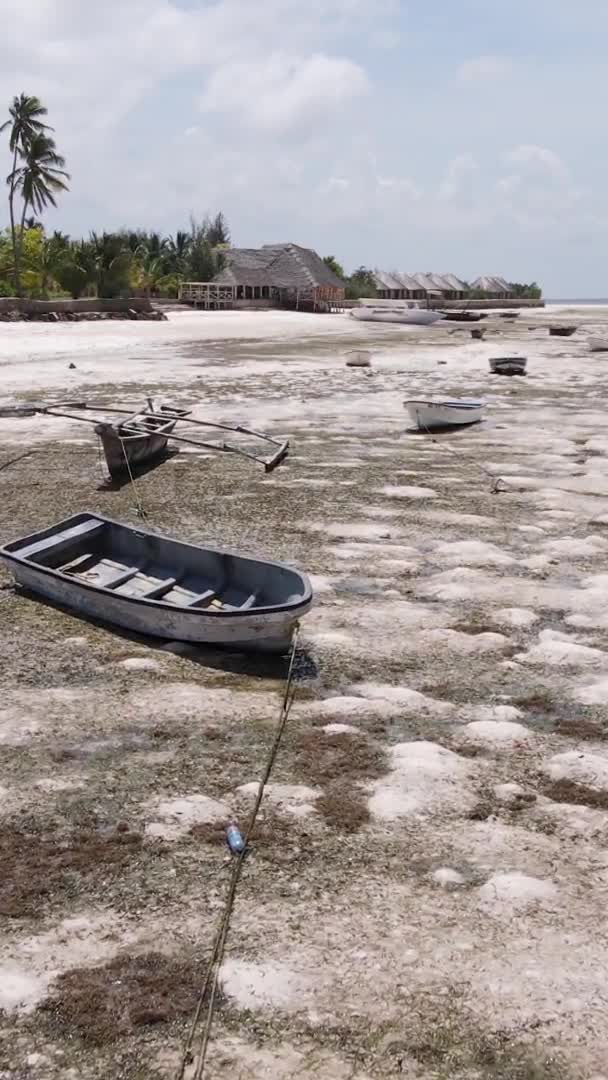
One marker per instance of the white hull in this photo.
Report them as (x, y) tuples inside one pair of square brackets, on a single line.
[(597, 344), (433, 414), (409, 316)]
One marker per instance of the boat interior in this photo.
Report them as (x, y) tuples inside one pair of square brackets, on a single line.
[(142, 566)]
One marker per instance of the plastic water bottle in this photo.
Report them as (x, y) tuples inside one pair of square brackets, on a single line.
[(234, 839)]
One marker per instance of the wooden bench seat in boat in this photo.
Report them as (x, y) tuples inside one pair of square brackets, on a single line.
[(58, 541)]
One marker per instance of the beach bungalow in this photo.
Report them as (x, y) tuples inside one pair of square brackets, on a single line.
[(399, 286), (495, 288), (275, 275)]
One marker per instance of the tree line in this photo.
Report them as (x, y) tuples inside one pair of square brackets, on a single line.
[(38, 264)]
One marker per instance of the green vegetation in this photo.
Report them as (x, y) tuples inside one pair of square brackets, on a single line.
[(37, 173), (36, 264), (360, 283), (335, 266), (529, 292)]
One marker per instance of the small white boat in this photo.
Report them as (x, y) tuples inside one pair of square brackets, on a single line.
[(446, 412), (598, 344), (410, 315), (102, 569)]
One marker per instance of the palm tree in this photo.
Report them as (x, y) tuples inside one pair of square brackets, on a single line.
[(45, 264), (178, 247), (39, 178), (24, 123), (110, 262)]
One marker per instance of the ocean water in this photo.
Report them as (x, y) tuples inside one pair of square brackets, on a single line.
[(579, 301)]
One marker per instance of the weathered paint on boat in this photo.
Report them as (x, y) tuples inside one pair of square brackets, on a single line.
[(135, 579)]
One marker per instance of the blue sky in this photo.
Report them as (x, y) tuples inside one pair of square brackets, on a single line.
[(456, 136)]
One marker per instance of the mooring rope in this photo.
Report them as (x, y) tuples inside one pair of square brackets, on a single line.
[(213, 967), (496, 481), (139, 509)]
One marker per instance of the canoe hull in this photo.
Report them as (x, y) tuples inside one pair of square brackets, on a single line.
[(429, 415), (126, 452), (269, 628), (598, 344)]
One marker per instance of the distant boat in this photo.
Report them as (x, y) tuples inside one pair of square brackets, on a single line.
[(508, 365), (102, 569), (598, 344), (413, 316), (446, 412), (464, 316), (562, 331)]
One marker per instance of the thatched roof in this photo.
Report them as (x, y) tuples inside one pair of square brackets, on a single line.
[(285, 266), (491, 283), (430, 283)]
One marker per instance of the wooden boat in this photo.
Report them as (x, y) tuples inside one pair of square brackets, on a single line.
[(508, 365), (102, 569), (137, 441), (413, 316), (464, 316), (359, 358), (597, 344), (448, 412), (143, 436), (562, 331)]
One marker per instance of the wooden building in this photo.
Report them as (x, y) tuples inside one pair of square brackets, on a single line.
[(276, 275)]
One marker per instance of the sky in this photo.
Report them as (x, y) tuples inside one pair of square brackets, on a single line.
[(463, 135)]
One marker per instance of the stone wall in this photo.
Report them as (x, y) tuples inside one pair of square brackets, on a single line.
[(74, 307)]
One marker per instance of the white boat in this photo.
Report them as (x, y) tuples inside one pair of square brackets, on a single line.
[(445, 412), (404, 313), (598, 344), (102, 569)]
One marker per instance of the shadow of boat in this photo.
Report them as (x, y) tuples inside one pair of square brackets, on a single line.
[(220, 658), (137, 471)]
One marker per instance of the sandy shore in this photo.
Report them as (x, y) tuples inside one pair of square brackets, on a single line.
[(426, 896)]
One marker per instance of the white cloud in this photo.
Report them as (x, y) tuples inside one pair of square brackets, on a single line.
[(280, 92), (538, 158), (484, 69), (458, 176)]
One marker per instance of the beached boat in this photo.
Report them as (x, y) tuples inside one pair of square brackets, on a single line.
[(102, 569), (447, 412), (412, 316), (598, 344), (143, 436), (464, 316), (508, 365), (562, 331), (137, 441)]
